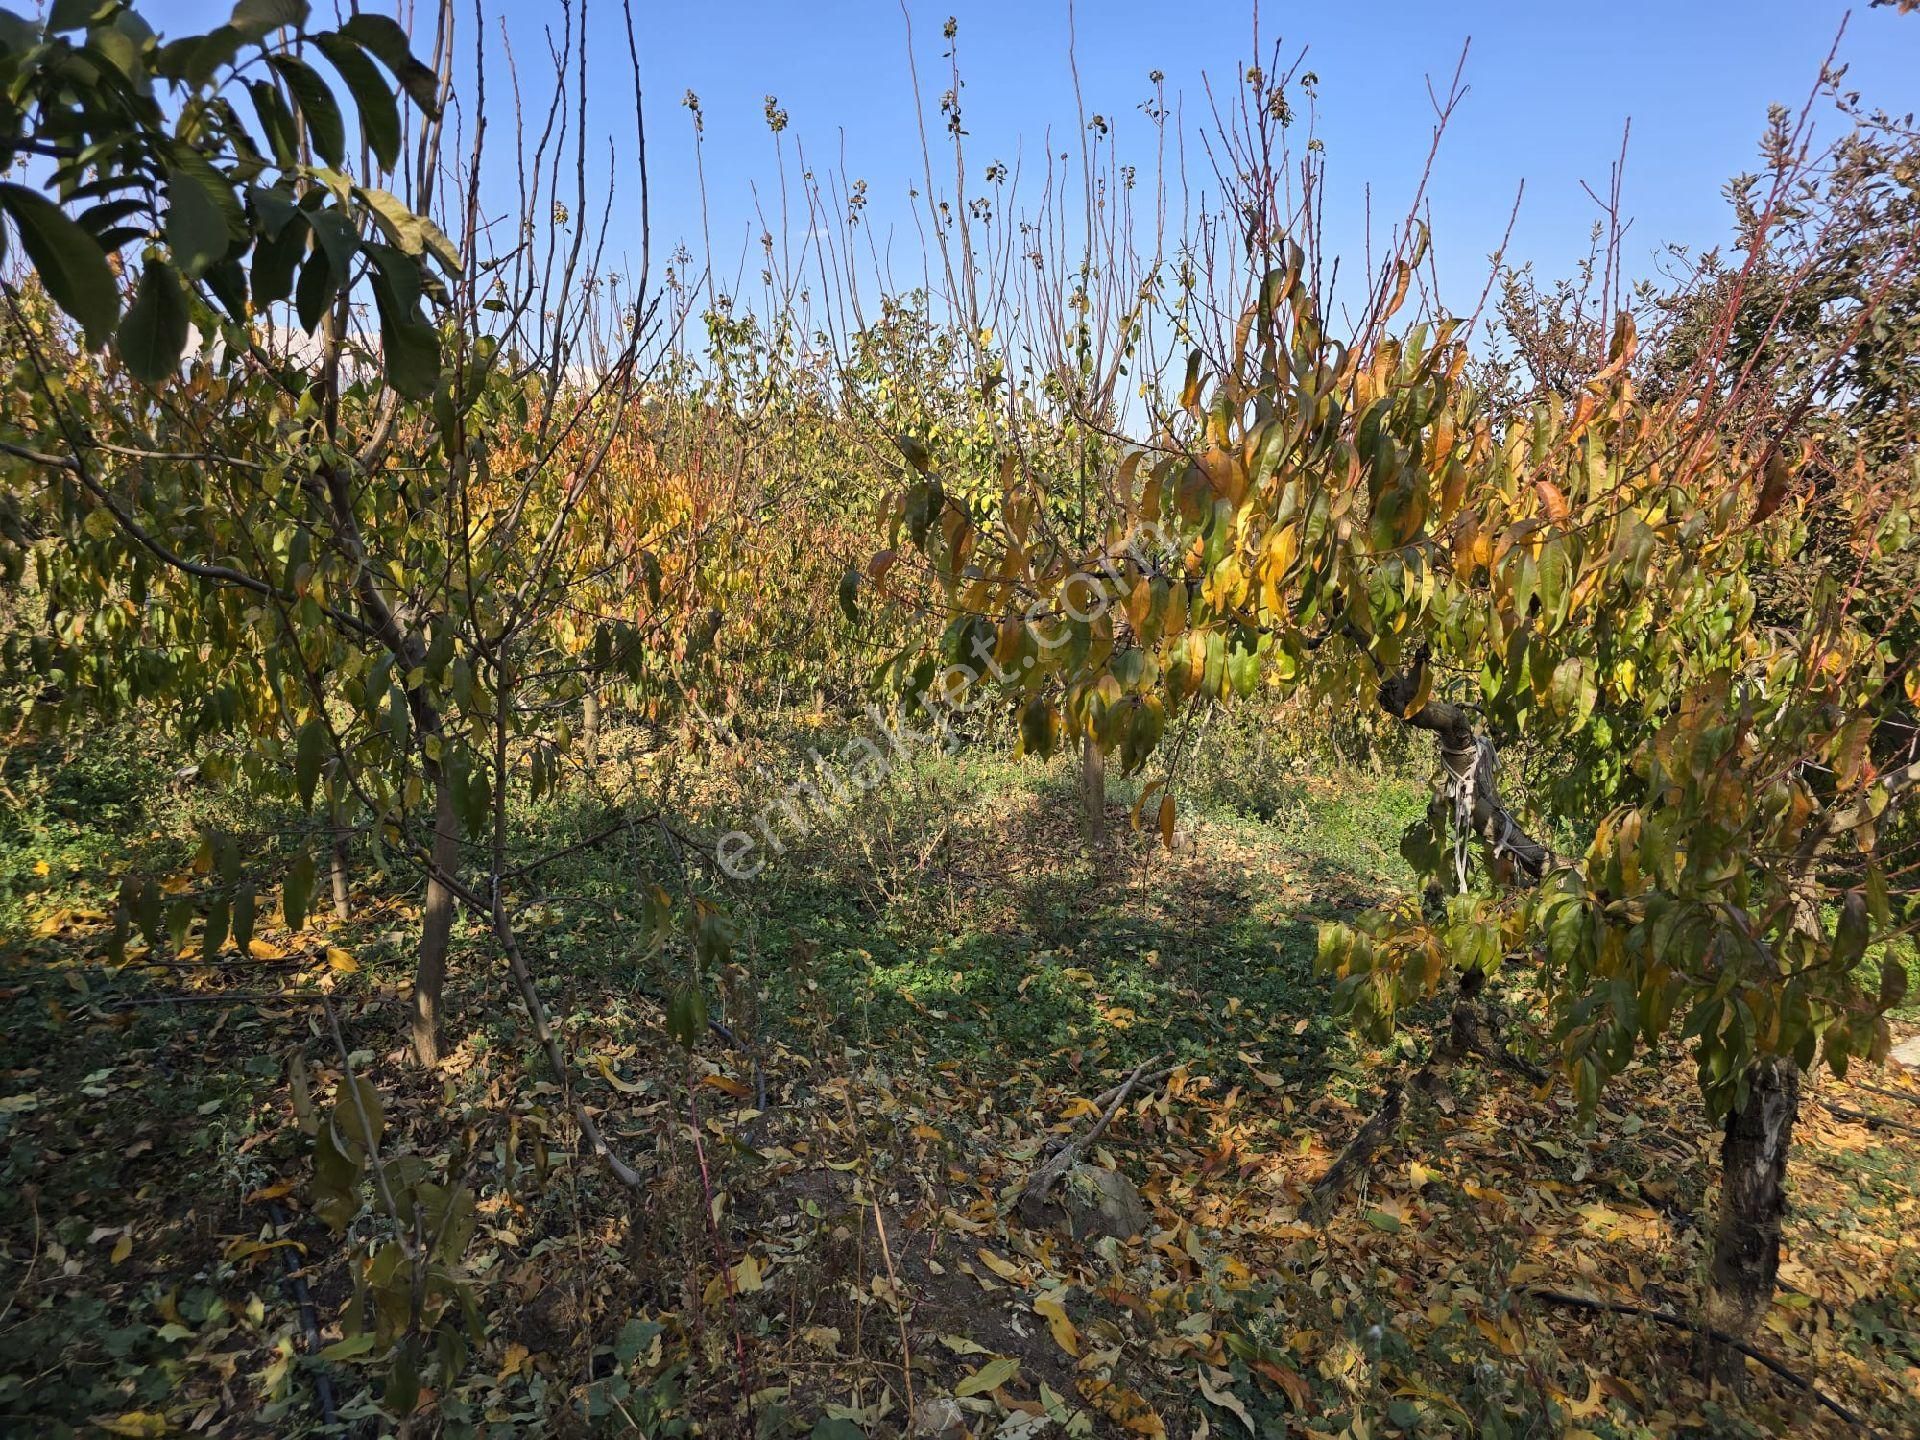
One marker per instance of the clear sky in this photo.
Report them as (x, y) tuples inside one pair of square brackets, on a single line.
[(1552, 83)]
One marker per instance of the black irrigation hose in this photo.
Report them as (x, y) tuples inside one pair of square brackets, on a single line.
[(303, 1298)]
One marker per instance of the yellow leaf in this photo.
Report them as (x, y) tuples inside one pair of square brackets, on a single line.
[(746, 1275), (340, 960), (41, 868), (625, 1087), (990, 1376), (1064, 1335), (1166, 821), (122, 1248), (135, 1422), (1127, 1407), (1005, 1269), (264, 950), (517, 1357), (1594, 1404)]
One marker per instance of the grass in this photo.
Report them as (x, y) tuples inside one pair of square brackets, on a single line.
[(928, 988)]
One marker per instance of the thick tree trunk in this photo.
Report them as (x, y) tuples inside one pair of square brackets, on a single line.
[(436, 928), (337, 863), (1753, 1172), (590, 731), (1093, 794), (1515, 855)]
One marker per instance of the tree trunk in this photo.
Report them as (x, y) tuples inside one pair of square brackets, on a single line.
[(436, 928), (590, 731), (1753, 1172), (337, 863), (1093, 794), (1468, 762)]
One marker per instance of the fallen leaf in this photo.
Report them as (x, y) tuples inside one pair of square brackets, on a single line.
[(1064, 1335), (1218, 1390), (747, 1275), (1128, 1408), (625, 1087), (988, 1377), (1005, 1269), (135, 1422)]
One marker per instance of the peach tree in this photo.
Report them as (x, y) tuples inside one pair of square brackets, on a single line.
[(1703, 837)]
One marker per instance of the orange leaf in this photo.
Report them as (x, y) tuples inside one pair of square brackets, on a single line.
[(1127, 1408)]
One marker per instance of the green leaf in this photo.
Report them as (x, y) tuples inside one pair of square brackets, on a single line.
[(68, 262), (274, 261), (410, 346), (244, 905), (382, 37), (990, 1376), (315, 289), (276, 121), (119, 45), (308, 751), (365, 1122), (296, 891), (1850, 935), (257, 19), (72, 14), (318, 108), (154, 330), (403, 1380), (836, 1428), (411, 234), (351, 1348), (216, 932), (193, 59), (636, 1339), (203, 217), (17, 33), (687, 1015), (372, 96), (1039, 728)]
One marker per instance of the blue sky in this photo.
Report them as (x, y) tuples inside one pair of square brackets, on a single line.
[(1551, 82)]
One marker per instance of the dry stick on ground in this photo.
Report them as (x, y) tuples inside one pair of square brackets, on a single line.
[(1890, 1094), (1039, 1186), (1468, 1033), (899, 1312), (1106, 1097), (1872, 1122), (1680, 1322), (1367, 1140)]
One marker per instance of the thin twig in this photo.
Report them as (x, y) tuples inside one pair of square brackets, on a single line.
[(1680, 1322)]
